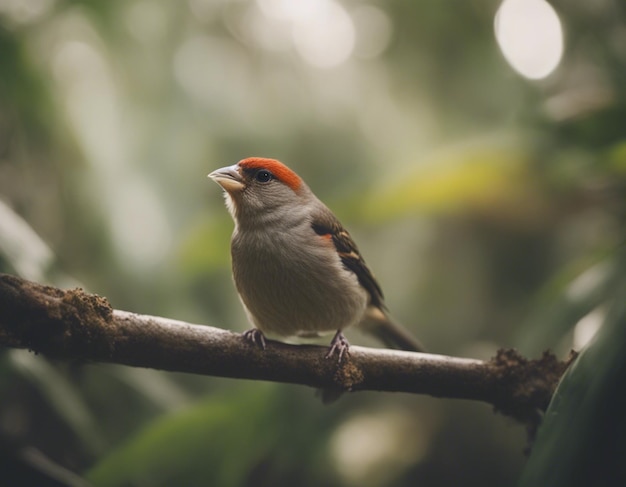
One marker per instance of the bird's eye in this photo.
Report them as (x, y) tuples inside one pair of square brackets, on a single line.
[(263, 176)]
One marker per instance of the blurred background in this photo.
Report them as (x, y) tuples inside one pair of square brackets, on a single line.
[(476, 151)]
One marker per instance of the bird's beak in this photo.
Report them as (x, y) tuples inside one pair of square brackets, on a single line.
[(228, 178)]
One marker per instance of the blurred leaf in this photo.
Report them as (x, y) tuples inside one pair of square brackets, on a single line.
[(62, 395), (219, 441), (486, 176), (23, 248), (581, 442), (617, 158), (183, 447), (22, 87), (159, 388), (571, 294), (206, 246)]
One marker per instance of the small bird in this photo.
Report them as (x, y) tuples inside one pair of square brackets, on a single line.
[(297, 270)]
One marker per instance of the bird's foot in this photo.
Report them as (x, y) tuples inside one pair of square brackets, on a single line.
[(255, 336), (338, 344)]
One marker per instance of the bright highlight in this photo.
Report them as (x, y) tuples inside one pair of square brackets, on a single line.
[(530, 36)]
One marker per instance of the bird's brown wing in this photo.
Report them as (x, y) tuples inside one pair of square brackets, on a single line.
[(325, 223), (376, 322)]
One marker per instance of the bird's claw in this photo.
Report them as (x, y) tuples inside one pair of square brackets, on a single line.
[(255, 336), (340, 345)]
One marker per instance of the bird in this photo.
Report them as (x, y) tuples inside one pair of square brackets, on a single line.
[(296, 268)]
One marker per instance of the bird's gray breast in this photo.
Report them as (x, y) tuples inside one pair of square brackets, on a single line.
[(291, 284)]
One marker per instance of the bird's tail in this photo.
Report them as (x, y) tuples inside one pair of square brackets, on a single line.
[(381, 326)]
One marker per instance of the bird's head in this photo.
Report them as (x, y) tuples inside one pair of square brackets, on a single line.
[(257, 188)]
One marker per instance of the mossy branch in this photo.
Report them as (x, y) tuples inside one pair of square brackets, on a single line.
[(75, 326)]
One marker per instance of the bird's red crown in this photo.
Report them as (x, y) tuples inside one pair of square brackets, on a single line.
[(277, 168)]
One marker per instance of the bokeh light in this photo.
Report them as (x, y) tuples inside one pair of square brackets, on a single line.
[(530, 36), (325, 38)]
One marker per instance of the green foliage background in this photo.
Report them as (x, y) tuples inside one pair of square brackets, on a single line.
[(490, 207)]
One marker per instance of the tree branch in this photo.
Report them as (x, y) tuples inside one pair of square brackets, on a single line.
[(75, 326)]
